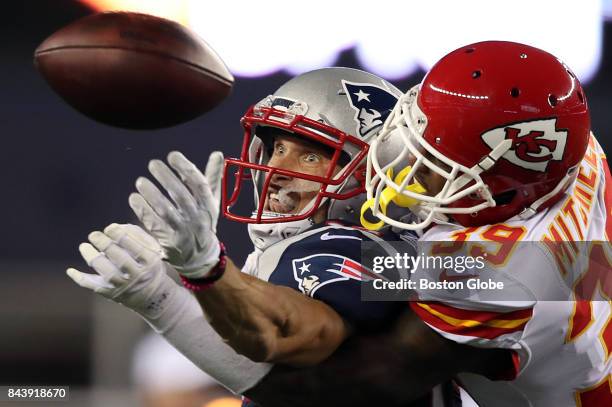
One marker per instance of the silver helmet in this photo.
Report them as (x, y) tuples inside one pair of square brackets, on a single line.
[(340, 109)]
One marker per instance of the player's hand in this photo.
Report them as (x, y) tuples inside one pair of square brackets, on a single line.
[(128, 265), (186, 226)]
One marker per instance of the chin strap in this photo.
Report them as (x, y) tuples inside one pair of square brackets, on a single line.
[(533, 208), (264, 235)]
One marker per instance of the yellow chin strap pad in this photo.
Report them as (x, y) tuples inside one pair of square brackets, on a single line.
[(387, 195)]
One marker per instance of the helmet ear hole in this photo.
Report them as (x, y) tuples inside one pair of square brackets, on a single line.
[(505, 197), (266, 135), (344, 159)]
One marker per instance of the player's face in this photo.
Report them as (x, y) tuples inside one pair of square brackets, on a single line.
[(290, 195), (428, 178)]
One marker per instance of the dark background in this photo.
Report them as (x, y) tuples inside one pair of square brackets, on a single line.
[(63, 175)]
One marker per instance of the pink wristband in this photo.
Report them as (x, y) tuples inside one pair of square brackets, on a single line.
[(199, 284)]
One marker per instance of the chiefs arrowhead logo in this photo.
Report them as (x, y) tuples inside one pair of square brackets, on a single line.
[(534, 143)]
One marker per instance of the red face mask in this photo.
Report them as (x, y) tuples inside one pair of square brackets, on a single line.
[(253, 166)]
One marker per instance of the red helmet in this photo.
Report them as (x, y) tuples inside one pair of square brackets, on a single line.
[(509, 122)]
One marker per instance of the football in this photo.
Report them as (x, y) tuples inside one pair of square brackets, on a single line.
[(133, 70)]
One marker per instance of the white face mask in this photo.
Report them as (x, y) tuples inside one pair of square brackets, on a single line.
[(405, 127)]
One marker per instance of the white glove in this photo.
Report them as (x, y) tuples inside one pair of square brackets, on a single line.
[(129, 268), (186, 228)]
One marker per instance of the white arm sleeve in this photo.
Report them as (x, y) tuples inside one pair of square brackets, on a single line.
[(178, 317)]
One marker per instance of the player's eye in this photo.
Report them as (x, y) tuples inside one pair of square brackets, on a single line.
[(312, 158), (279, 149)]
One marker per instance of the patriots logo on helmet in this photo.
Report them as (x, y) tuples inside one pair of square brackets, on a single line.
[(372, 105), (534, 143), (317, 270)]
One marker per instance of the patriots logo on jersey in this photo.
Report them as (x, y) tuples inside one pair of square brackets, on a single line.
[(317, 270), (372, 105)]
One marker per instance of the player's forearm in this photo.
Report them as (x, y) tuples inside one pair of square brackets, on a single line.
[(368, 364), (395, 368), (271, 323), (387, 367)]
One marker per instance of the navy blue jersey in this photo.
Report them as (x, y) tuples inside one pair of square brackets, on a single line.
[(325, 263)]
